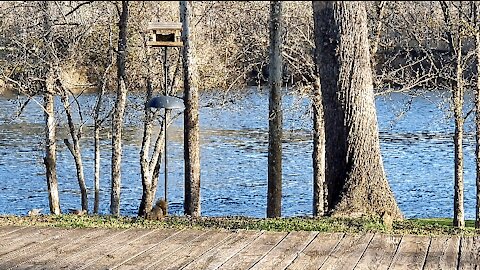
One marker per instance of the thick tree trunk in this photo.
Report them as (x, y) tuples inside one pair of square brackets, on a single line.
[(274, 195), (191, 121), (458, 209), (50, 159), (356, 180), (319, 187), (119, 111)]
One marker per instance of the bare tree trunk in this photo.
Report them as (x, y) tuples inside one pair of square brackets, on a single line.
[(477, 120), (355, 176), (149, 167), (119, 111), (477, 126), (458, 209), (191, 121), (274, 195), (75, 150), (96, 177), (50, 159), (97, 125), (455, 43), (319, 188)]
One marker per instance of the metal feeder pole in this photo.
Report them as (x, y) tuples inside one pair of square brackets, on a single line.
[(165, 121)]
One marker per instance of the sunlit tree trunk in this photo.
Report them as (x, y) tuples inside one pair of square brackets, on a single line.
[(119, 111), (456, 85), (274, 196), (458, 209), (477, 126), (50, 159), (191, 121), (318, 155), (354, 171), (149, 167)]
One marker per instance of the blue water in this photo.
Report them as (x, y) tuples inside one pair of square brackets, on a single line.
[(415, 133)]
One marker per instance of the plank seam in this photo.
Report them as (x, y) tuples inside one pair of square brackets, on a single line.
[(426, 253), (172, 251), (43, 254), (141, 252), (107, 240), (274, 246), (210, 249), (333, 249), (16, 229), (365, 250), (459, 252), (301, 251), (396, 253), (240, 250), (120, 248), (7, 257)]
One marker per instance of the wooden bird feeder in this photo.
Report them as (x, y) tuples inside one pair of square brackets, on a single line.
[(165, 34)]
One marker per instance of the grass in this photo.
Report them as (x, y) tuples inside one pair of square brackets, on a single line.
[(434, 226)]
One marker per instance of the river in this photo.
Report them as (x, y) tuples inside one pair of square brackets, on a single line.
[(416, 142)]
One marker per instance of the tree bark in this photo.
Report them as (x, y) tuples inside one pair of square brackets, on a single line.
[(318, 158), (458, 208), (477, 127), (354, 172), (191, 121), (274, 195), (76, 153), (96, 176), (454, 39), (149, 167), (119, 112), (50, 159)]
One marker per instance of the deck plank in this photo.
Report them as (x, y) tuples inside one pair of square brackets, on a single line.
[(285, 252), (59, 237), (379, 253), (411, 253), (315, 254), (161, 250), (5, 230), (74, 253), (220, 254), (57, 248), (88, 256), (68, 241), (443, 253), (132, 249), (247, 257), (469, 253), (28, 237), (193, 249), (348, 252)]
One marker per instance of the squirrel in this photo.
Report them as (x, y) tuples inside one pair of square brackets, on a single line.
[(158, 211)]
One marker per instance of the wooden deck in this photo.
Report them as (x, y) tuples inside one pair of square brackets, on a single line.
[(54, 248)]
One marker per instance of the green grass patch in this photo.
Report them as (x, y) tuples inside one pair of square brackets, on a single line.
[(434, 226)]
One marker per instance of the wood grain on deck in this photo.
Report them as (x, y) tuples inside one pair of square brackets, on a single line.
[(56, 248)]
